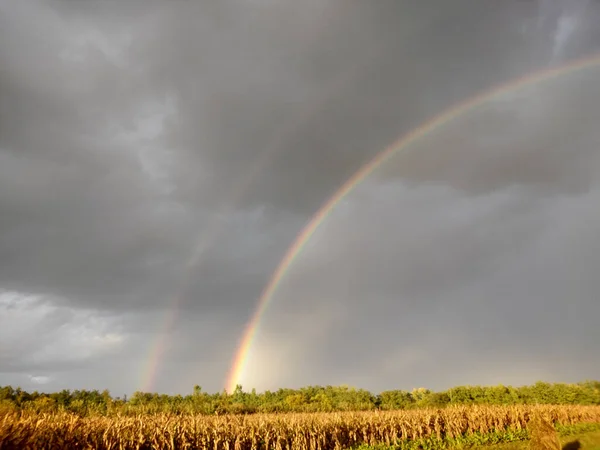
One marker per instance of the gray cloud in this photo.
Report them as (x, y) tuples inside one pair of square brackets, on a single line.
[(424, 280), (164, 155), (541, 135)]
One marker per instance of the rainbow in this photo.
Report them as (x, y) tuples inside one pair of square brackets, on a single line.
[(243, 350), (159, 347)]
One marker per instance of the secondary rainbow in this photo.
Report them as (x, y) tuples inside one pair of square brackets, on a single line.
[(241, 355), (159, 348)]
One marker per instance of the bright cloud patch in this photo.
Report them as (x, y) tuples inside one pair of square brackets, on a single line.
[(39, 332), (39, 379)]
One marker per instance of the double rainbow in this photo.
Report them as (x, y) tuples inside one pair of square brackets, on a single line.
[(242, 353)]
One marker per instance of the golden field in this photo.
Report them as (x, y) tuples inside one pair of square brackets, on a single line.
[(312, 431)]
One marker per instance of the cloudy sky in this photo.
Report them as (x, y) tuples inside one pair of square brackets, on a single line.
[(157, 159)]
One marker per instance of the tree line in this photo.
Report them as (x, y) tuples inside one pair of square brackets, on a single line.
[(306, 399)]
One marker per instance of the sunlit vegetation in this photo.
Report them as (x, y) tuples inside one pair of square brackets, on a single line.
[(307, 418), (583, 436), (410, 429), (307, 399)]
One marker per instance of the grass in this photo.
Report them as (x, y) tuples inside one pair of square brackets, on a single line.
[(579, 441), (583, 436)]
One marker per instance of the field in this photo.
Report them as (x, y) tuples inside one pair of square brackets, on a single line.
[(579, 441), (568, 441), (453, 426)]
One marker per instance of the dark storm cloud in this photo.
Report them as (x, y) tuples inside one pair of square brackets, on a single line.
[(329, 103), (241, 79), (155, 154), (89, 213)]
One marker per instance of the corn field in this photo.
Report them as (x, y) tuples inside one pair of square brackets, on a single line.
[(310, 431)]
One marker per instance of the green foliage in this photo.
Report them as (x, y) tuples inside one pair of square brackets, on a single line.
[(396, 400), (478, 439), (306, 399)]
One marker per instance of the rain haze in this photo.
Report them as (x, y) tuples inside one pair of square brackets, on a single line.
[(157, 160)]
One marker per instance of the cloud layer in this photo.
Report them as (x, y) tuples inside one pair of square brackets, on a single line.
[(162, 156)]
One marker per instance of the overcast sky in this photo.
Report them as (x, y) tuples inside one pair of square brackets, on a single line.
[(162, 156)]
